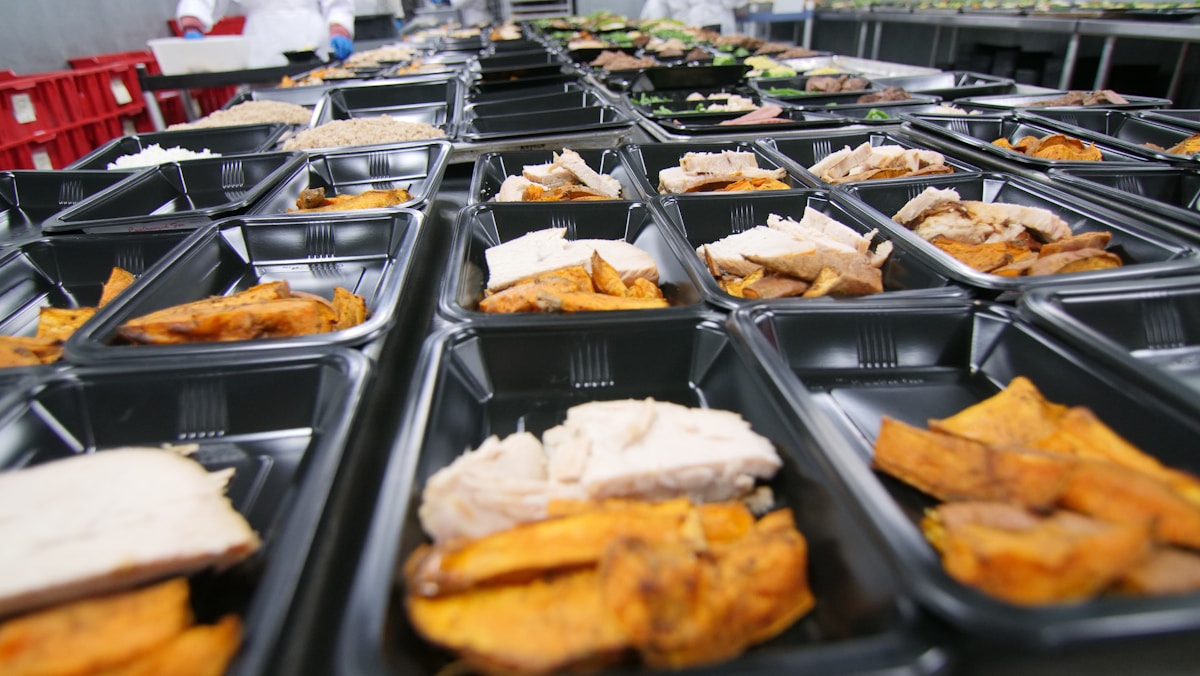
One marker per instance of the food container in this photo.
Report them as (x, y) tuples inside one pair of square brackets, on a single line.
[(1144, 250), (1183, 118), (979, 132), (834, 103), (307, 96), (434, 101), (521, 86), (1173, 192), (659, 78), (178, 195), (890, 116), (765, 85), (517, 66), (27, 198), (644, 161), (697, 125), (699, 221), (213, 54), (677, 104), (250, 138), (480, 381), (1118, 128), (66, 271), (559, 101), (849, 64), (366, 254), (281, 425), (1145, 330), (951, 84), (800, 153), (417, 167), (486, 225), (516, 95), (542, 123), (1009, 102), (492, 168), (845, 367)]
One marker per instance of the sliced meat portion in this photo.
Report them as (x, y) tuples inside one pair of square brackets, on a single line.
[(1165, 571), (513, 189), (602, 183), (724, 162), (930, 198), (729, 253)]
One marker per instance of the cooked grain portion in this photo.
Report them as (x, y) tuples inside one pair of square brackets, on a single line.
[(362, 132), (251, 112)]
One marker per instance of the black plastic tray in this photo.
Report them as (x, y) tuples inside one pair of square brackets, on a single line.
[(252, 138), (416, 166), (369, 255), (1118, 128), (521, 86), (843, 368), (541, 123), (486, 225), (300, 96), (434, 101), (701, 221), (694, 125), (1009, 102), (516, 95), (516, 66), (644, 161), (1145, 251), (179, 195), (834, 103), (951, 84), (979, 132), (1148, 331), (800, 153), (895, 113), (27, 198), (681, 107), (280, 424), (763, 86), (478, 381), (561, 101), (492, 168), (1173, 192), (1189, 118), (659, 78)]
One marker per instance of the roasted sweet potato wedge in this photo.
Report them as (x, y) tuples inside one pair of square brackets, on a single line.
[(118, 280)]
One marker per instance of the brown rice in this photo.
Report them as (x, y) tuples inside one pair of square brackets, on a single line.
[(251, 112), (362, 132)]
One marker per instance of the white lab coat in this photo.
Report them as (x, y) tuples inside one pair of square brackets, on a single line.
[(277, 26), (695, 12), (472, 11)]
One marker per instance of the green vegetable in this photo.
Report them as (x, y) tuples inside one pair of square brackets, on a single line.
[(786, 91), (663, 110), (644, 99), (742, 52), (877, 114), (726, 48), (724, 60)]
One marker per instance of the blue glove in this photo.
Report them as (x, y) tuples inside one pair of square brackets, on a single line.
[(192, 34), (341, 46)]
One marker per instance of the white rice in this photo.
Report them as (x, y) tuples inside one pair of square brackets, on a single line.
[(251, 112), (362, 132), (154, 154)]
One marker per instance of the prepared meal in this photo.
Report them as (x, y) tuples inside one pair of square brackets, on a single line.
[(885, 95), (1188, 146), (726, 171), (765, 114), (636, 449), (250, 112), (832, 84), (505, 31), (1082, 98), (951, 109), (542, 271), (677, 584), (723, 102), (566, 178), (1053, 147), (765, 66), (867, 162), (269, 310), (1004, 239), (362, 131), (372, 58), (154, 154), (815, 256), (55, 326), (314, 200), (1045, 504), (318, 76), (610, 60)]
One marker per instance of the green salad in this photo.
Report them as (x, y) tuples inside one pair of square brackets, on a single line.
[(724, 60), (786, 91), (877, 114), (644, 99)]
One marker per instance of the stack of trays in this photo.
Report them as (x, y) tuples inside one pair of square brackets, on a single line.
[(29, 198)]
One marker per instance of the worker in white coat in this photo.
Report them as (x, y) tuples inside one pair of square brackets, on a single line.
[(697, 13), (277, 26)]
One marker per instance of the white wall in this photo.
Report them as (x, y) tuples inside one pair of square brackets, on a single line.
[(624, 7)]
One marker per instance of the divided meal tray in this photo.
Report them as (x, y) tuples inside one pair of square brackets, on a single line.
[(367, 254), (432, 100), (951, 84), (486, 225), (492, 168), (28, 198), (800, 153), (844, 368), (699, 221), (476, 382), (418, 167), (238, 140), (178, 195), (645, 161), (1173, 192), (560, 101), (281, 424), (1119, 128), (980, 131), (1025, 101), (1145, 251), (544, 122), (1147, 330)]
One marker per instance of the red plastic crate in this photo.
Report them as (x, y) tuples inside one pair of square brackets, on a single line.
[(58, 150), (137, 123), (15, 157), (108, 90), (103, 130), (37, 104)]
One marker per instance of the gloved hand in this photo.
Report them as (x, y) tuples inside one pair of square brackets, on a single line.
[(192, 34), (342, 46)]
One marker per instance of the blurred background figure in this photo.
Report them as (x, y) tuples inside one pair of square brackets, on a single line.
[(472, 12), (277, 26), (701, 13)]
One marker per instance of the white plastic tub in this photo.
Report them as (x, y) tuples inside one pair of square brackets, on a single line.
[(210, 54)]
